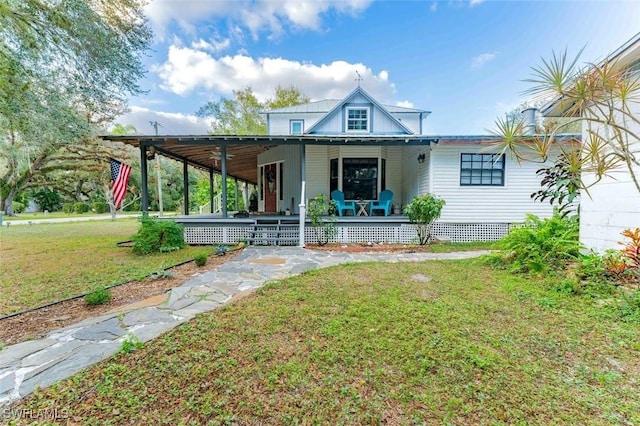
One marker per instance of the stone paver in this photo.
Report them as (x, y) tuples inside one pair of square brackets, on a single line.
[(64, 352)]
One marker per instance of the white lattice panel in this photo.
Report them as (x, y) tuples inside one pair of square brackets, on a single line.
[(403, 234), (215, 235), (464, 232)]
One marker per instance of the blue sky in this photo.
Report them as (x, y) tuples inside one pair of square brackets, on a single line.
[(463, 60)]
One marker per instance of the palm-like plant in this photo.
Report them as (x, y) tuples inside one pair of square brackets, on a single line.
[(599, 96)]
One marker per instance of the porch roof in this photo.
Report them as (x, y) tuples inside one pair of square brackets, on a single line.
[(203, 151)]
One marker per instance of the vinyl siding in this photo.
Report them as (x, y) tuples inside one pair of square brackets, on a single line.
[(499, 204)]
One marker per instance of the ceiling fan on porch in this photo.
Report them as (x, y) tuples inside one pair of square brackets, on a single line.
[(216, 155)]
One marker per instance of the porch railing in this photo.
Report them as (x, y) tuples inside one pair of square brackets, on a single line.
[(217, 206)]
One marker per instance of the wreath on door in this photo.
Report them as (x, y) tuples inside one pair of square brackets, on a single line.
[(271, 178)]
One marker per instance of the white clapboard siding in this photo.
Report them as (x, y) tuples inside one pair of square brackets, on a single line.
[(393, 157), (317, 171), (509, 203), (415, 176)]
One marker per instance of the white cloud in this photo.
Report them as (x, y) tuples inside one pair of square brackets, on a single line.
[(188, 70), (255, 15), (171, 123), (481, 60), (214, 45), (475, 2), (434, 6)]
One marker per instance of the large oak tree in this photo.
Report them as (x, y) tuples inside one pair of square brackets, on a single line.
[(66, 67)]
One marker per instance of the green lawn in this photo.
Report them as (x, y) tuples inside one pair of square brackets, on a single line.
[(447, 342), (48, 262)]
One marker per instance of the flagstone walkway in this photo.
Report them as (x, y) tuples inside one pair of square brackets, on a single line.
[(64, 352)]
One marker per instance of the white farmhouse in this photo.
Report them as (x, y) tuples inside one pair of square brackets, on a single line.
[(360, 147)]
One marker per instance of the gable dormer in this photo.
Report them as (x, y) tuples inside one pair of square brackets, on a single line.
[(359, 114)]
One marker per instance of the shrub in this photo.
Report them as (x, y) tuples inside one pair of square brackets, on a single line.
[(201, 259), (100, 207), (80, 208), (18, 207), (47, 199), (67, 207), (324, 228), (423, 211), (99, 296), (158, 236), (541, 245)]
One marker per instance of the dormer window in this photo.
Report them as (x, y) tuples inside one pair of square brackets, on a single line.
[(357, 119), (296, 127)]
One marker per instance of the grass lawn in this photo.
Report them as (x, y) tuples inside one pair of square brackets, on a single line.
[(447, 342), (48, 262)]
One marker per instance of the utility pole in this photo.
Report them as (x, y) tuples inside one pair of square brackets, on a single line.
[(155, 125)]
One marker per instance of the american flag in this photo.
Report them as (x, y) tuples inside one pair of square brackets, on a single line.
[(119, 177)]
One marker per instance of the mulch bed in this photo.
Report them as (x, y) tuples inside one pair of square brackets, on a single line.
[(36, 324)]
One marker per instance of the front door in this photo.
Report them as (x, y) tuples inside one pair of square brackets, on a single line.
[(270, 188)]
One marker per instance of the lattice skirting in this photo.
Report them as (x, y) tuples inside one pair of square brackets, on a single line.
[(401, 233)]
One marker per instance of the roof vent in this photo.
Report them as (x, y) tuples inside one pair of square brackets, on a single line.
[(529, 120)]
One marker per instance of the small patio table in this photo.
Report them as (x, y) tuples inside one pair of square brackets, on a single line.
[(362, 204)]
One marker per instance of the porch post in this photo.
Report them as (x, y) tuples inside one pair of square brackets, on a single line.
[(302, 207), (235, 187), (210, 190), (185, 186), (303, 165), (303, 213), (144, 178), (223, 155), (245, 195)]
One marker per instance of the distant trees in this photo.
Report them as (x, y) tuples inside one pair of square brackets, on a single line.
[(65, 68), (241, 114)]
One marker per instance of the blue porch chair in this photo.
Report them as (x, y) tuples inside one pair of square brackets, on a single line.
[(383, 203), (341, 205)]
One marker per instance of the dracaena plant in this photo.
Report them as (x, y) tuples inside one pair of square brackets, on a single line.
[(596, 96)]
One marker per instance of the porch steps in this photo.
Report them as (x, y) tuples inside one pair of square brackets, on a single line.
[(275, 231)]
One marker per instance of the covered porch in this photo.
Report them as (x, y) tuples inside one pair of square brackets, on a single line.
[(287, 171), (279, 166)]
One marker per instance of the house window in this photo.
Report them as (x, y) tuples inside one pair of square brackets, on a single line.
[(360, 178), (357, 119), (482, 169), (296, 127)]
